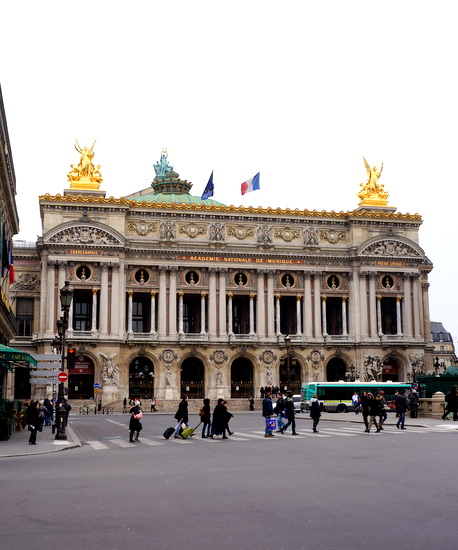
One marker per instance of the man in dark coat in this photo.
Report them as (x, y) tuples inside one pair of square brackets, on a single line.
[(402, 406), (182, 415), (290, 414), (34, 421), (267, 412), (219, 424)]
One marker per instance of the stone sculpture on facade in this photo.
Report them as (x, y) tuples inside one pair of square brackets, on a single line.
[(372, 368), (109, 369), (310, 236), (168, 230), (315, 358), (85, 172)]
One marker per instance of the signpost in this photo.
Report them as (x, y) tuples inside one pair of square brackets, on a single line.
[(62, 377)]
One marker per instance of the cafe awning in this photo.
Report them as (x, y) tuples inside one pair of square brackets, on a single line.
[(10, 357)]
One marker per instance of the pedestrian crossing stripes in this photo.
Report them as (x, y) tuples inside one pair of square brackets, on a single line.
[(241, 437)]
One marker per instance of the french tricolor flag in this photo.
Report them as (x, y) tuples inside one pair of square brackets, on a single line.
[(252, 184)]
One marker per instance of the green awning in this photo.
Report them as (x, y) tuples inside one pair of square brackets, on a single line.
[(10, 356)]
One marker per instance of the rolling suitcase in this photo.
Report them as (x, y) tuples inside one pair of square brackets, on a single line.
[(168, 432), (189, 431)]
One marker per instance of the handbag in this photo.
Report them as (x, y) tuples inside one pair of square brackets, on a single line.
[(138, 416)]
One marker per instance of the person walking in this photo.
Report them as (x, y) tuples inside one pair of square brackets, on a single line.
[(205, 418), (383, 409), (452, 403), (355, 401), (402, 407), (365, 409), (251, 402), (279, 410), (124, 405), (135, 426), (182, 416), (315, 412), (153, 404), (414, 404), (267, 412), (290, 414), (219, 424), (229, 415), (32, 418), (373, 409)]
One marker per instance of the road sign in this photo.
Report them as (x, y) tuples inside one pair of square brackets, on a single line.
[(44, 373), (43, 380), (96, 390), (96, 385), (63, 377)]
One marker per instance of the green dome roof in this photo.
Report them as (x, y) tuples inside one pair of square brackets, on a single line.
[(177, 198)]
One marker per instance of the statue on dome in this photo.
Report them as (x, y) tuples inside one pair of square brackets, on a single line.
[(85, 172), (163, 167), (372, 189)]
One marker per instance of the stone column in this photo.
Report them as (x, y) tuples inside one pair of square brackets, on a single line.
[(398, 316), (317, 305), (379, 315), (344, 316), (122, 298), (153, 313), (416, 307), (260, 306), (94, 310), (44, 295), (323, 316), (425, 310), (202, 313), (277, 314), (103, 319), (372, 307), (173, 302), (407, 307), (50, 301), (212, 304), (162, 316), (363, 306), (298, 315), (252, 296), (115, 306), (180, 313), (129, 313), (222, 304), (229, 315), (308, 319), (270, 304)]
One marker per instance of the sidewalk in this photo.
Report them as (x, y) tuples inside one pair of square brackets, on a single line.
[(420, 422), (18, 444)]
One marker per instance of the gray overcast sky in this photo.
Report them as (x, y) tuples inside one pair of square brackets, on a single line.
[(299, 90)]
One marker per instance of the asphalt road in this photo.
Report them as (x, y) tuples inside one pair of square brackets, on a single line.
[(337, 489)]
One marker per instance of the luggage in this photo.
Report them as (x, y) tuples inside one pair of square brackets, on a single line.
[(189, 431), (168, 432)]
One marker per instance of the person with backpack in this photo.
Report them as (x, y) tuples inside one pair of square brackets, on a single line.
[(315, 411), (290, 414)]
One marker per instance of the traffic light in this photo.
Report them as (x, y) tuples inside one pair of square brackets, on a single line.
[(71, 358)]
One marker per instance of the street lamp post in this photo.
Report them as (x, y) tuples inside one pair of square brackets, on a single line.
[(352, 374), (66, 295), (288, 366)]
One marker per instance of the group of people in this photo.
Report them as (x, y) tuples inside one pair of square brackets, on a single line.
[(216, 424), (285, 413), (374, 408)]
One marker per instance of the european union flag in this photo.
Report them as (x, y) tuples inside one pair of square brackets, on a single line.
[(208, 191)]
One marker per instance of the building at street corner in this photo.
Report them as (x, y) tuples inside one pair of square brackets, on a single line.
[(177, 295)]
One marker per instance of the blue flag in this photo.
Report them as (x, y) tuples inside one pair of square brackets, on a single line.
[(208, 192)]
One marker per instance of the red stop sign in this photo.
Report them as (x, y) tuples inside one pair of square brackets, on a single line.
[(62, 377)]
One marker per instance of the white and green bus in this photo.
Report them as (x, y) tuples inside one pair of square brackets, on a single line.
[(336, 396)]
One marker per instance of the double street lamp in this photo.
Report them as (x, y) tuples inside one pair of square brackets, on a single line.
[(287, 340), (66, 295)]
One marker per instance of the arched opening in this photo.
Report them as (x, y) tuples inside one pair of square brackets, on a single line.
[(242, 378), (335, 370), (81, 379), (192, 378), (294, 375), (141, 378), (390, 370)]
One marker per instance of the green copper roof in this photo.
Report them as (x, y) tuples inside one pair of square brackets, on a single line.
[(177, 198)]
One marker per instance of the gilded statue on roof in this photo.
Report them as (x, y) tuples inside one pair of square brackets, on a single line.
[(372, 192), (85, 175)]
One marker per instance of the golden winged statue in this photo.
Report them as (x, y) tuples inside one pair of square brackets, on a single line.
[(85, 174), (372, 191)]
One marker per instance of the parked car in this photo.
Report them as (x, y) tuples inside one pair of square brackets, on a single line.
[(299, 406)]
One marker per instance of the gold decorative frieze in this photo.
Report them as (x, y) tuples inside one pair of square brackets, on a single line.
[(192, 229), (240, 231), (287, 234), (142, 228)]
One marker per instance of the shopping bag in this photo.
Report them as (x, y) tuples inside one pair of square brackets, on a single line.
[(272, 424)]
